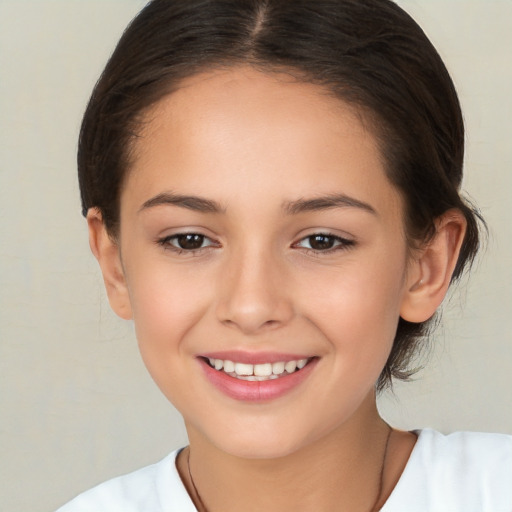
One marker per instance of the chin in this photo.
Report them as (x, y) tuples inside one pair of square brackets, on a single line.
[(262, 442), (262, 449)]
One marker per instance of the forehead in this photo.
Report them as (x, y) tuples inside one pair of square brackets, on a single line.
[(230, 96), (245, 126)]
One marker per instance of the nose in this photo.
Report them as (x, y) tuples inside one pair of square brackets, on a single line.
[(254, 293)]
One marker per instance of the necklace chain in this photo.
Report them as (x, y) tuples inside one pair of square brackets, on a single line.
[(381, 477), (196, 492), (374, 507)]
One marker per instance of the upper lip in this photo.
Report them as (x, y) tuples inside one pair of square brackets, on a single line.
[(254, 357)]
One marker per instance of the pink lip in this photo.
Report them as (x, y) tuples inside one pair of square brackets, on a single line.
[(254, 391)]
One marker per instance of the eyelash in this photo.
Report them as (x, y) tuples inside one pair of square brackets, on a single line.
[(341, 244), (166, 243)]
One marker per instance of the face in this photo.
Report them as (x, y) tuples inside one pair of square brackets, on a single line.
[(264, 257)]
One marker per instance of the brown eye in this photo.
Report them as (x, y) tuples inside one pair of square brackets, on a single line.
[(324, 242), (189, 241), (321, 242), (192, 243)]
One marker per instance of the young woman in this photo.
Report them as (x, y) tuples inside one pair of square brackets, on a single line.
[(272, 193)]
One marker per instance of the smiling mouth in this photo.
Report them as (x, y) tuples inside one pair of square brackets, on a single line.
[(258, 372)]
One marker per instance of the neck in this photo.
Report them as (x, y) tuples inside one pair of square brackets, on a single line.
[(343, 471)]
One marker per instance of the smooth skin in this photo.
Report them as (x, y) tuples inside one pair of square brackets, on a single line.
[(240, 159)]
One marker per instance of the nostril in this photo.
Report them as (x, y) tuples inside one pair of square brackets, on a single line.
[(248, 325), (252, 304)]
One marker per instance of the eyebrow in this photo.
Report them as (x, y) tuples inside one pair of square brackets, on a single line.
[(198, 204), (202, 205), (326, 203)]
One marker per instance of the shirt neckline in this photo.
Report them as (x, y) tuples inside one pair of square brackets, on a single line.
[(399, 497)]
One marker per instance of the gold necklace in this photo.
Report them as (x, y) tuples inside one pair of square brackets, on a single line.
[(374, 507)]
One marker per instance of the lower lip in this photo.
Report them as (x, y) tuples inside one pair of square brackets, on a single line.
[(256, 391)]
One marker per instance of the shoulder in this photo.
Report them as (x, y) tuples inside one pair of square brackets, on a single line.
[(157, 488), (463, 471)]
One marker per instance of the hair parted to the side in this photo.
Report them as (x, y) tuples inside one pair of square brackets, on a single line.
[(368, 53)]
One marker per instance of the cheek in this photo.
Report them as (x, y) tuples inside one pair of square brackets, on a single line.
[(166, 302), (358, 307)]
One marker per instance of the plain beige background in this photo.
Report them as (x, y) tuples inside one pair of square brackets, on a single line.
[(76, 404)]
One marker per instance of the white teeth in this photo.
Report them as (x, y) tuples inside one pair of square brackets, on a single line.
[(290, 366), (263, 370), (277, 368), (257, 372), (244, 369), (229, 366)]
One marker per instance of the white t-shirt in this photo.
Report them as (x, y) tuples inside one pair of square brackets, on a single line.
[(461, 472)]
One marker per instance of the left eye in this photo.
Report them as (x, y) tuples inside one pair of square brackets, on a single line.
[(187, 241), (323, 242)]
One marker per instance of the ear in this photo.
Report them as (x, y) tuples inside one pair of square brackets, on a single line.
[(108, 255), (430, 273)]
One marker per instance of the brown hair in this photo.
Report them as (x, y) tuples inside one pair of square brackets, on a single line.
[(369, 53)]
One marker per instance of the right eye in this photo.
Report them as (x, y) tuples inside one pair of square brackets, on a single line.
[(186, 242)]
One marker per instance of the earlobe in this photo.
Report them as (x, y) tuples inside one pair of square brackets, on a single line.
[(108, 255), (431, 272)]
